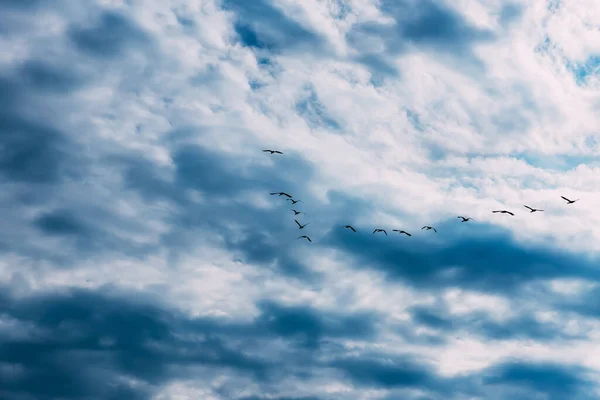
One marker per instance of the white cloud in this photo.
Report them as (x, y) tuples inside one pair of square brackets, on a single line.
[(435, 141)]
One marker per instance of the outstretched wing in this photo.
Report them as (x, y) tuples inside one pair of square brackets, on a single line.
[(266, 151), (278, 152), (309, 239), (435, 230), (353, 230), (383, 230), (565, 198), (298, 223), (508, 212), (528, 207)]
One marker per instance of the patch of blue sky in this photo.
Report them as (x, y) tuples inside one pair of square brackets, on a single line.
[(582, 71), (558, 162)]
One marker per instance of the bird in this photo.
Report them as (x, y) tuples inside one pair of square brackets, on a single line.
[(272, 151), (380, 230), (301, 226), (569, 201), (281, 194), (305, 237), (295, 201), (298, 212), (349, 227), (532, 210), (399, 231), (428, 228), (465, 219), (503, 212)]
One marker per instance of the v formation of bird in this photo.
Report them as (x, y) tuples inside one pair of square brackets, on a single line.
[(401, 232)]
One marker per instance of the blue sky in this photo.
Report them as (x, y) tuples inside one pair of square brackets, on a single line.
[(142, 256)]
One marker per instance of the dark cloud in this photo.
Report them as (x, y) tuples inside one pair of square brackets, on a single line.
[(551, 380), (22, 4), (80, 344), (60, 222), (387, 372), (31, 152), (88, 341), (482, 257), (44, 77), (43, 162), (586, 303), (422, 25), (93, 340), (310, 326), (253, 234), (109, 37), (260, 24)]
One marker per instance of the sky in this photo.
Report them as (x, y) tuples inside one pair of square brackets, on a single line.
[(143, 257)]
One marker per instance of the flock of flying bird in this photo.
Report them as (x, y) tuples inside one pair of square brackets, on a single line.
[(402, 232)]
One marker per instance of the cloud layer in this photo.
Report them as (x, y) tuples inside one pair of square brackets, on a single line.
[(143, 257)]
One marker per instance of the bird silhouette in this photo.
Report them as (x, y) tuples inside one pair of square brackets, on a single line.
[(295, 201), (428, 228), (532, 210), (305, 237), (380, 230), (349, 227), (465, 219), (569, 201), (272, 151), (503, 212), (281, 194), (301, 226), (401, 232), (298, 212)]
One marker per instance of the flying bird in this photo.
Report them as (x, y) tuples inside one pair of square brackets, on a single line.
[(298, 212), (295, 201), (428, 228), (304, 237), (281, 194), (380, 230), (349, 227), (532, 210), (569, 201), (400, 232), (465, 219), (503, 212), (272, 151), (301, 226)]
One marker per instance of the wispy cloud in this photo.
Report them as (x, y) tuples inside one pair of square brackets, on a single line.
[(142, 255)]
